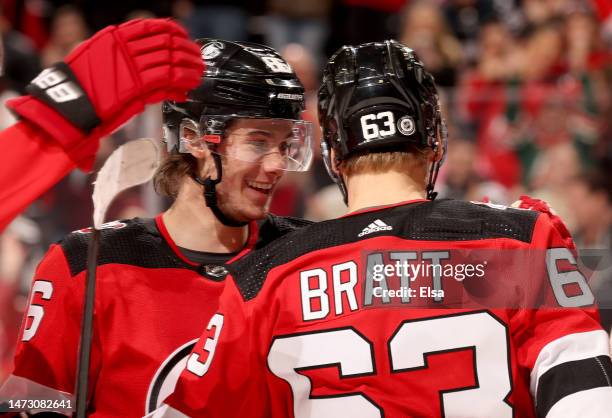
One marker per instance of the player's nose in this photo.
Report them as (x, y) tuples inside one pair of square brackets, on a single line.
[(274, 163)]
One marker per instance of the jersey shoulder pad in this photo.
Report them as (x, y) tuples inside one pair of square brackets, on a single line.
[(274, 227), (250, 271), (457, 220), (443, 220), (129, 241)]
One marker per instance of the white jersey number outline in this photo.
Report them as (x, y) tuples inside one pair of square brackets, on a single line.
[(36, 312), (408, 348), (194, 364)]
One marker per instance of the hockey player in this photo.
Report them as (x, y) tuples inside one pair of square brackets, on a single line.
[(229, 144), (313, 326), (102, 84)]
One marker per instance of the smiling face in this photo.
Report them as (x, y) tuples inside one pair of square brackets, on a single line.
[(253, 157)]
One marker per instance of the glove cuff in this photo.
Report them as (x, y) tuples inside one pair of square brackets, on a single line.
[(69, 137), (59, 88)]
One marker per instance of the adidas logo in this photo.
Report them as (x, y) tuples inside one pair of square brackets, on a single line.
[(375, 226)]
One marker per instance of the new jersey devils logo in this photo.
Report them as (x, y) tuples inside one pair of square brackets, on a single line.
[(211, 50), (167, 375)]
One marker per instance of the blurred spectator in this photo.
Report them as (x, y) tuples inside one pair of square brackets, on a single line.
[(290, 197), (21, 62), (538, 12), (460, 178), (304, 65), (542, 60), (303, 22), (424, 29), (326, 204), (223, 19), (301, 59), (359, 21), (29, 18), (466, 18), (6, 117), (604, 13), (68, 29), (590, 200), (498, 55), (552, 169)]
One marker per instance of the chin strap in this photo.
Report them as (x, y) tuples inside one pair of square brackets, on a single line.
[(342, 185), (433, 176), (210, 194)]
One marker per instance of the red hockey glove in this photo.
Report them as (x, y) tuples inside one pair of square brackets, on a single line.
[(107, 80), (527, 202)]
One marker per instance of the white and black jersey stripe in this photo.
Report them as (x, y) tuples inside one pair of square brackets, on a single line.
[(572, 377)]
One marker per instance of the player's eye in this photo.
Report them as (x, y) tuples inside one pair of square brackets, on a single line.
[(258, 144), (288, 148)]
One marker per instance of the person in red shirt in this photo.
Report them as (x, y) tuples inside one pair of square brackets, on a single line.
[(408, 306), (71, 105), (158, 280)]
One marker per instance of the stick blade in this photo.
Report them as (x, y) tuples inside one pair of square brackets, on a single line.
[(131, 164)]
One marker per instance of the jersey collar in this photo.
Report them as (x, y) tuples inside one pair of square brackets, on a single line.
[(377, 208), (250, 244)]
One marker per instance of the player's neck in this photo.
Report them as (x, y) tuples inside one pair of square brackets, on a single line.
[(379, 189), (192, 224)]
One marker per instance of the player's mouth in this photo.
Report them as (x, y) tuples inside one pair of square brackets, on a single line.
[(265, 188), (259, 192)]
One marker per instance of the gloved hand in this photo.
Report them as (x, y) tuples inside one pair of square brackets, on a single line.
[(527, 202), (108, 79)]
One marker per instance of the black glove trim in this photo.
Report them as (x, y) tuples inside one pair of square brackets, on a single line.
[(59, 88)]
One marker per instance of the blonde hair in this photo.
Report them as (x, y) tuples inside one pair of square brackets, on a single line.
[(406, 161)]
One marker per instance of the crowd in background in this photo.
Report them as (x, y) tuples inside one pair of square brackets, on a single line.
[(526, 88)]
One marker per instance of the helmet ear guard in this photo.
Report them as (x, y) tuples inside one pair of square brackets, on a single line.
[(376, 97)]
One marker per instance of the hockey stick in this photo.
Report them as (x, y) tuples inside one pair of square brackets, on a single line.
[(129, 165)]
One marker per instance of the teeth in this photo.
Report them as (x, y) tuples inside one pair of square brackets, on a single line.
[(264, 186)]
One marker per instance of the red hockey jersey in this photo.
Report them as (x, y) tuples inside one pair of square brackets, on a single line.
[(151, 305), (30, 163), (306, 329)]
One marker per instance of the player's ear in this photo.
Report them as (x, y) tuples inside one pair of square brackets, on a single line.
[(193, 143), (336, 164)]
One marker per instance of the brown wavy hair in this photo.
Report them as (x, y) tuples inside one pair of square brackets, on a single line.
[(169, 176)]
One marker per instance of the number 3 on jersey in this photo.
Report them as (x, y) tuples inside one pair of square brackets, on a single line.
[(195, 363), (408, 348)]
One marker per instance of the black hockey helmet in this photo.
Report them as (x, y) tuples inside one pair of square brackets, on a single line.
[(240, 80), (378, 97)]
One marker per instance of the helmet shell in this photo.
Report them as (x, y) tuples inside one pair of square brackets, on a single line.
[(241, 79), (378, 96)]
